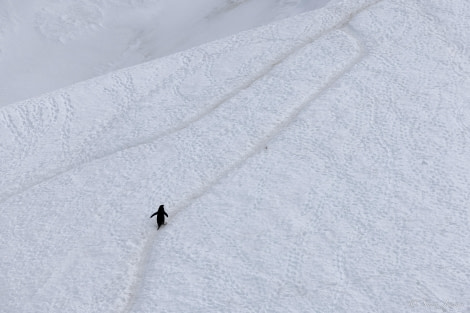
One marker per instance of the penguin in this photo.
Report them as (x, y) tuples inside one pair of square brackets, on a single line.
[(160, 216)]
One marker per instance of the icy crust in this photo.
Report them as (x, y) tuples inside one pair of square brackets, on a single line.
[(332, 177)]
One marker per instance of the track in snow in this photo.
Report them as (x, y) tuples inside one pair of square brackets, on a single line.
[(123, 82), (145, 257), (355, 200)]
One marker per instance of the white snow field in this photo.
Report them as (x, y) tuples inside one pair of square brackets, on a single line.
[(49, 44), (317, 164)]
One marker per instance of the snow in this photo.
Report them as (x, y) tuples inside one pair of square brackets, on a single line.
[(319, 163)]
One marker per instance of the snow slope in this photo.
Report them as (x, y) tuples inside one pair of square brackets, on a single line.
[(317, 164), (49, 44)]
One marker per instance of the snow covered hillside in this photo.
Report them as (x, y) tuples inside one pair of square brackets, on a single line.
[(317, 164), (49, 44)]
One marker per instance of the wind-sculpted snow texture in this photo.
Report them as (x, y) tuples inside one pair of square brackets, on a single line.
[(318, 164), (49, 44)]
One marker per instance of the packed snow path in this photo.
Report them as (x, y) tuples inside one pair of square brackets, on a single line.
[(317, 164)]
